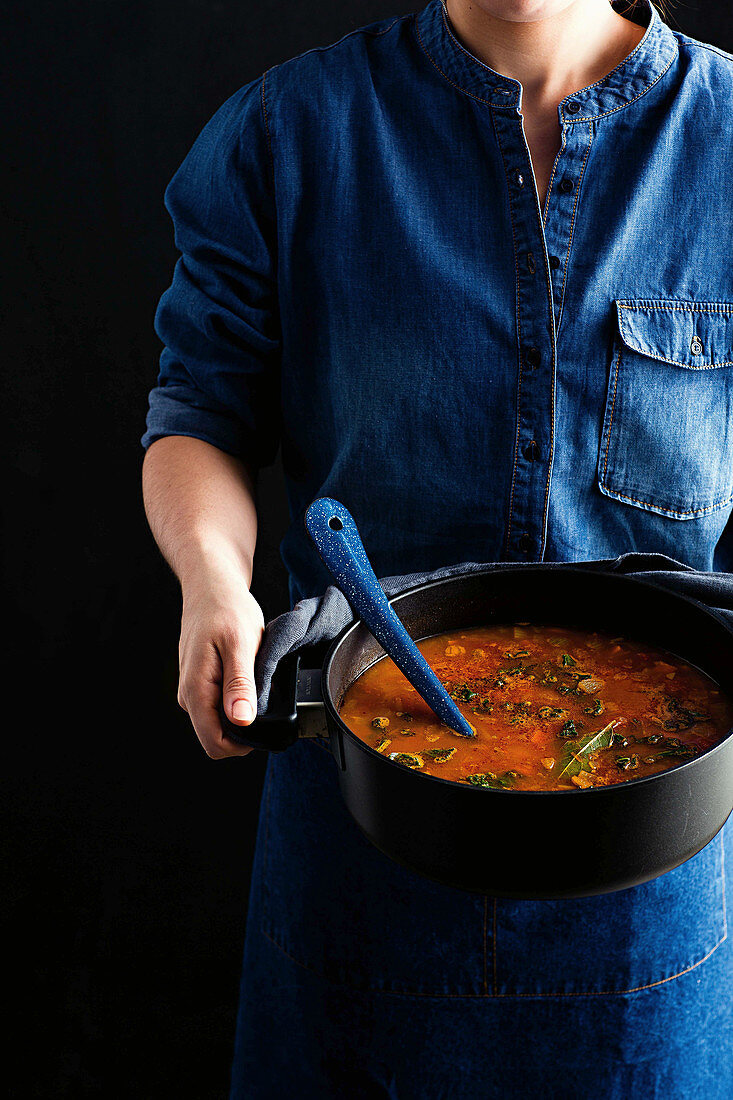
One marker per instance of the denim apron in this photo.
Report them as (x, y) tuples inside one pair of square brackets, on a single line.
[(363, 979)]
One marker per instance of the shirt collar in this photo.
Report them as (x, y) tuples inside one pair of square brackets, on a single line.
[(634, 76)]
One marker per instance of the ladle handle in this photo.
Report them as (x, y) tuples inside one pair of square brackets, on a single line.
[(337, 540)]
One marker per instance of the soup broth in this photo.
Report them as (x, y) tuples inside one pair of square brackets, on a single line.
[(553, 709)]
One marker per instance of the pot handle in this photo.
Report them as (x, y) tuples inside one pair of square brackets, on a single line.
[(277, 728)]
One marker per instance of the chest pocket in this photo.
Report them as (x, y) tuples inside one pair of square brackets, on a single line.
[(667, 441)]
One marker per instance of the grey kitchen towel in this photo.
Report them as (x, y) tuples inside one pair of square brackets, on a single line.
[(321, 618)]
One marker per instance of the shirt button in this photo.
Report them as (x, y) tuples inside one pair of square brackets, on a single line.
[(532, 451), (572, 107), (533, 357), (696, 345), (520, 179), (524, 543), (554, 262), (566, 185)]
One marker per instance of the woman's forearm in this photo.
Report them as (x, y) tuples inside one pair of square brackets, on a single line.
[(200, 506)]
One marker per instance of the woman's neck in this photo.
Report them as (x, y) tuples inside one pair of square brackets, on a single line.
[(550, 48)]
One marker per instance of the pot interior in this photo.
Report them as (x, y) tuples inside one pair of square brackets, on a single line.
[(561, 596)]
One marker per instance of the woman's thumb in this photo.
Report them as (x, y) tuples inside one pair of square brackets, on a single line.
[(239, 691)]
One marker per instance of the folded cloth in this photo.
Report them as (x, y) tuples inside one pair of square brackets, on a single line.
[(318, 619)]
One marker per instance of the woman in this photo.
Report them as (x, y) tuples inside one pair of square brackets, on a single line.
[(471, 268)]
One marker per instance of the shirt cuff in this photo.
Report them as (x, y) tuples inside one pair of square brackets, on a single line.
[(176, 410)]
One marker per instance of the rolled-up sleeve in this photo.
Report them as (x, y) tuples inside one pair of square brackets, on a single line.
[(219, 321)]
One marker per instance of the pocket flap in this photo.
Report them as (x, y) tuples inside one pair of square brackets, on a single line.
[(695, 335)]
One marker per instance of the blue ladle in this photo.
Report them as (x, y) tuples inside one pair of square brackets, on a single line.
[(337, 540)]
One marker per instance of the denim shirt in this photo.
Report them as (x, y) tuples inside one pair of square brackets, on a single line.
[(368, 278)]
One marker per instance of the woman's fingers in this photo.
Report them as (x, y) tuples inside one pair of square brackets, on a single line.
[(217, 666), (203, 710)]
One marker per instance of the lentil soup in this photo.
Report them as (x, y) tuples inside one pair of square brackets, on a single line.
[(553, 709)]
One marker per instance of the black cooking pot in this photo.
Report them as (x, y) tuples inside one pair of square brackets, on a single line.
[(522, 844)]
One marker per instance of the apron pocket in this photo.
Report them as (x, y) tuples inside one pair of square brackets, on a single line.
[(614, 943), (667, 440)]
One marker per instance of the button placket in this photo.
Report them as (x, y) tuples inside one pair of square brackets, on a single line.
[(532, 452), (563, 202)]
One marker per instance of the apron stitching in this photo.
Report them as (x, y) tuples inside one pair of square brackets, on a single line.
[(498, 996)]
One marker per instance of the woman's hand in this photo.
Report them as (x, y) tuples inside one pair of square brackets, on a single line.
[(221, 630)]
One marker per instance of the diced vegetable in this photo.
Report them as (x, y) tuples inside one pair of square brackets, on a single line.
[(583, 779), (382, 743), (380, 723), (590, 686)]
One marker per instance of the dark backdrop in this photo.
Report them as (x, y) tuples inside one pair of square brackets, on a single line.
[(129, 850)]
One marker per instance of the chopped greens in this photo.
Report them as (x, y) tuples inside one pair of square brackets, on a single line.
[(686, 752), (626, 763), (407, 759), (683, 718), (568, 730), (439, 756), (463, 694), (496, 782), (596, 707), (550, 712), (567, 661)]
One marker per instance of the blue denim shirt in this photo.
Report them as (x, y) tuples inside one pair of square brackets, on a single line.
[(368, 278)]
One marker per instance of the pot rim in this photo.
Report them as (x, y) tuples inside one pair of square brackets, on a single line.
[(560, 568)]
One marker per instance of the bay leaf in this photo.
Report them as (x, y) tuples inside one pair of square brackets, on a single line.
[(577, 752)]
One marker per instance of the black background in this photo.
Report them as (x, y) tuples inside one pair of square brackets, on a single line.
[(128, 850)]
